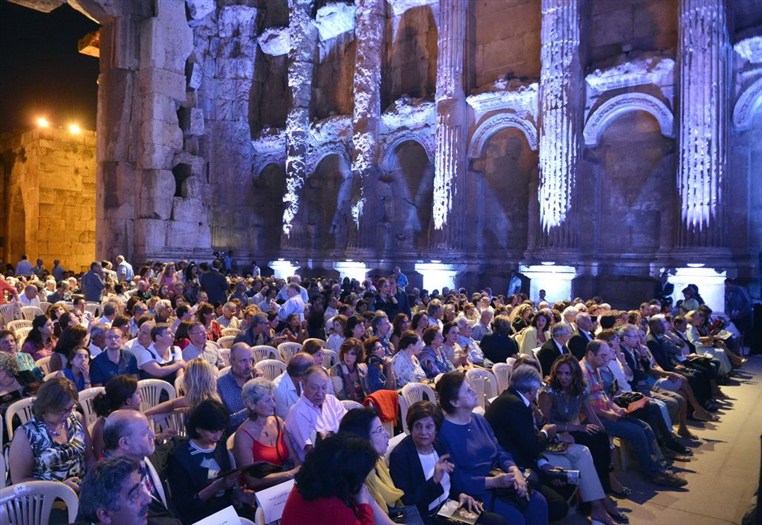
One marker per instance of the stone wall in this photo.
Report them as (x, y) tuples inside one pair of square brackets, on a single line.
[(49, 197)]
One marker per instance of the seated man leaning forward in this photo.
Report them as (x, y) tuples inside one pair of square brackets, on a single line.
[(316, 412)]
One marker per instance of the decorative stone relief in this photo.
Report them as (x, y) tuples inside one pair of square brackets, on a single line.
[(747, 105), (497, 122), (750, 49), (616, 106), (513, 96)]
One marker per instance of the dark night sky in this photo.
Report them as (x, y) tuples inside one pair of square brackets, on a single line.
[(41, 71)]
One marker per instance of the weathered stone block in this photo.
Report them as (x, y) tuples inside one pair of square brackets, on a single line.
[(198, 9), (156, 193), (237, 21), (161, 82)]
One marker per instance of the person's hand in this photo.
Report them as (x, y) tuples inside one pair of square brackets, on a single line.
[(72, 483), (442, 466), (229, 481), (504, 479), (85, 368), (470, 503), (551, 429), (520, 484), (591, 429)]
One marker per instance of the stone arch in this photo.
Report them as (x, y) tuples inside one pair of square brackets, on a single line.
[(616, 106), (407, 196), (747, 105), (388, 158), (496, 123)]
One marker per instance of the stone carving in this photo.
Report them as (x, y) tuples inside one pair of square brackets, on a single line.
[(747, 105), (515, 96), (425, 138), (494, 124), (750, 49), (618, 105)]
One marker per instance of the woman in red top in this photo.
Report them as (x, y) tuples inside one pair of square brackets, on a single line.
[(330, 488), (261, 437)]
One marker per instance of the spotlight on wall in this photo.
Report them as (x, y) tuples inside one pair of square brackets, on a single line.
[(42, 122), (74, 129)]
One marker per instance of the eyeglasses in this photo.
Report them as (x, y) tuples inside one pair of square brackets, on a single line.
[(378, 431)]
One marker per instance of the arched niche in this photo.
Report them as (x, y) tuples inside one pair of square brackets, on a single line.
[(755, 184), (268, 107), (636, 187), (408, 199), (410, 63), (332, 77), (502, 194), (325, 211), (267, 207)]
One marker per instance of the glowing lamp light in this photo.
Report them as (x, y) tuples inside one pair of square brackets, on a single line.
[(74, 129), (42, 122)]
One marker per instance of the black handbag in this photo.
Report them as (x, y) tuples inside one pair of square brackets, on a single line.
[(509, 494)]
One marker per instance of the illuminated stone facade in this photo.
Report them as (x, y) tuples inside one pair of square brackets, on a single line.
[(613, 138)]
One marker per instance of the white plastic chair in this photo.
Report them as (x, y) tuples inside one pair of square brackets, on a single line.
[(51, 375), (94, 309), (271, 368), (43, 364), (288, 350), (222, 371), (30, 503), (174, 421), (30, 312), (227, 332), (226, 342), (21, 334), (18, 324), (262, 352), (86, 397), (44, 305), (330, 357), (10, 311), (411, 393), (151, 390), (322, 342), (484, 383), (350, 405), (224, 354), (502, 373), (21, 408)]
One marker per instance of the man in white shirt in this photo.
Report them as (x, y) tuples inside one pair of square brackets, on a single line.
[(124, 271), (483, 327), (315, 412), (198, 346), (293, 305), (288, 384), (30, 297)]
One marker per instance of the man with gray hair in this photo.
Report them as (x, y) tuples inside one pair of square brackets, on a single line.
[(466, 341), (288, 385), (555, 347), (124, 271), (128, 435), (582, 335), (112, 493)]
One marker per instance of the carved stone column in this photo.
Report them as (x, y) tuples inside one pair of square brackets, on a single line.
[(366, 118), (303, 34), (561, 97), (452, 127), (704, 58)]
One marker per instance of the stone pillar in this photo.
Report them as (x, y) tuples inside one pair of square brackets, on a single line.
[(303, 35), (561, 103), (704, 58), (366, 119), (452, 127)]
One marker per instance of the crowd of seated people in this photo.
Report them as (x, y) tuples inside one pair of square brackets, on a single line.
[(577, 366)]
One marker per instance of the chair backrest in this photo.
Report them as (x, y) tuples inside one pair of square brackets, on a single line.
[(330, 357), (10, 312), (224, 354), (322, 342), (17, 324), (30, 312), (226, 342), (226, 332), (484, 383), (44, 305), (51, 375), (502, 373), (179, 385), (21, 408), (222, 371), (21, 334), (30, 503), (151, 392), (86, 397), (350, 405), (271, 368), (93, 308), (411, 393), (262, 352), (173, 421), (43, 364), (288, 350)]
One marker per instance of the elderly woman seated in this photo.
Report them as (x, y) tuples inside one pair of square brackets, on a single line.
[(8, 344), (261, 437), (54, 444)]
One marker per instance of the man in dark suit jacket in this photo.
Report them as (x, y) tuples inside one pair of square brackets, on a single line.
[(499, 346), (215, 285), (512, 420), (555, 347), (582, 335)]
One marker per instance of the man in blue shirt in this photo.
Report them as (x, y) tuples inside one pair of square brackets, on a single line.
[(114, 361)]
